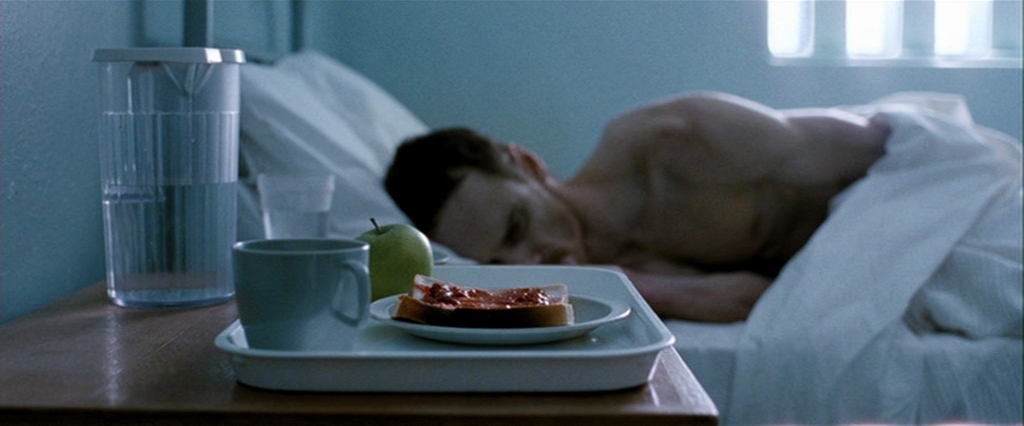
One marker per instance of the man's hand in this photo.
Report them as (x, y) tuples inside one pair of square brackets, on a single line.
[(720, 297)]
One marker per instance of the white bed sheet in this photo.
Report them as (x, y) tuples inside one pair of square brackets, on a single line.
[(905, 307), (710, 352)]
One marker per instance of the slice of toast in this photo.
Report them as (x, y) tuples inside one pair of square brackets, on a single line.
[(442, 303)]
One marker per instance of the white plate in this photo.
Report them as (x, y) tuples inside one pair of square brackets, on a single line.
[(590, 313)]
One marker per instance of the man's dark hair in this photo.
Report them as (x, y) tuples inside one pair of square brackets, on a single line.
[(428, 168)]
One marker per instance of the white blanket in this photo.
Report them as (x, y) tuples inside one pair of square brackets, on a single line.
[(906, 306)]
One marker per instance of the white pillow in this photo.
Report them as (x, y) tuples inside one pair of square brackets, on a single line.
[(310, 113)]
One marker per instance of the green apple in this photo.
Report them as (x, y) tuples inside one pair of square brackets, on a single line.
[(397, 253)]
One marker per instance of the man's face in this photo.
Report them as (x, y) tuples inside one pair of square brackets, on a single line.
[(495, 219)]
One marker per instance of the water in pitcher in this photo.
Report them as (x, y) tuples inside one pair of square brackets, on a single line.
[(169, 245), (169, 203)]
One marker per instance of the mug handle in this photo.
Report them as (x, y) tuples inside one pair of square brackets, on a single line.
[(362, 283)]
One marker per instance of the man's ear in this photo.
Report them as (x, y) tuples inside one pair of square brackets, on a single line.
[(529, 162)]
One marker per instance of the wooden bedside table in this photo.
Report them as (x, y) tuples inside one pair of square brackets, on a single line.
[(83, 360)]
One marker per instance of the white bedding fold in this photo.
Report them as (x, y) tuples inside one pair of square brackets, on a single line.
[(907, 298)]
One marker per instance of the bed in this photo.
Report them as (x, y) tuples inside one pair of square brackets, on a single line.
[(905, 307), (870, 322)]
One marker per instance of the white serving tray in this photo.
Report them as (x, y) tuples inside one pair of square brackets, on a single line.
[(385, 359)]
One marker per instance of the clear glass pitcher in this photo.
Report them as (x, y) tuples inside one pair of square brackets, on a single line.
[(169, 166)]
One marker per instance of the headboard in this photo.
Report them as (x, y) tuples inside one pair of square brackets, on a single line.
[(264, 29)]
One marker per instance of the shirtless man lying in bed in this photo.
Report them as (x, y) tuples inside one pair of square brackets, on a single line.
[(700, 199)]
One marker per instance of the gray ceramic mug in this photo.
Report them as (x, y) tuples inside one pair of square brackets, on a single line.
[(302, 294)]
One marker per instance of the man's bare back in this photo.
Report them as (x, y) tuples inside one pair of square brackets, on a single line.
[(711, 184)]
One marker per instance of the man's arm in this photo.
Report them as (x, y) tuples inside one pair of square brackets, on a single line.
[(719, 297)]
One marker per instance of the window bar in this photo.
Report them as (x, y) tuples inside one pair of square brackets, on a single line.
[(918, 30), (1007, 29), (830, 29)]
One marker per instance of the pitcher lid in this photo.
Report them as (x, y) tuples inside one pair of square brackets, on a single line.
[(196, 55)]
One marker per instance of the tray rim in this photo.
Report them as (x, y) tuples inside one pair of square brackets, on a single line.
[(641, 356), (225, 342)]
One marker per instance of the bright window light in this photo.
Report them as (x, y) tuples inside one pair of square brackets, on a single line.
[(963, 27), (791, 28), (874, 28)]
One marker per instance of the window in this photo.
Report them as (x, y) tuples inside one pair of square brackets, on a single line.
[(963, 28), (940, 33)]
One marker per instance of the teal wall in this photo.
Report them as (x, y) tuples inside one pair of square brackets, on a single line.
[(51, 234), (548, 74)]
